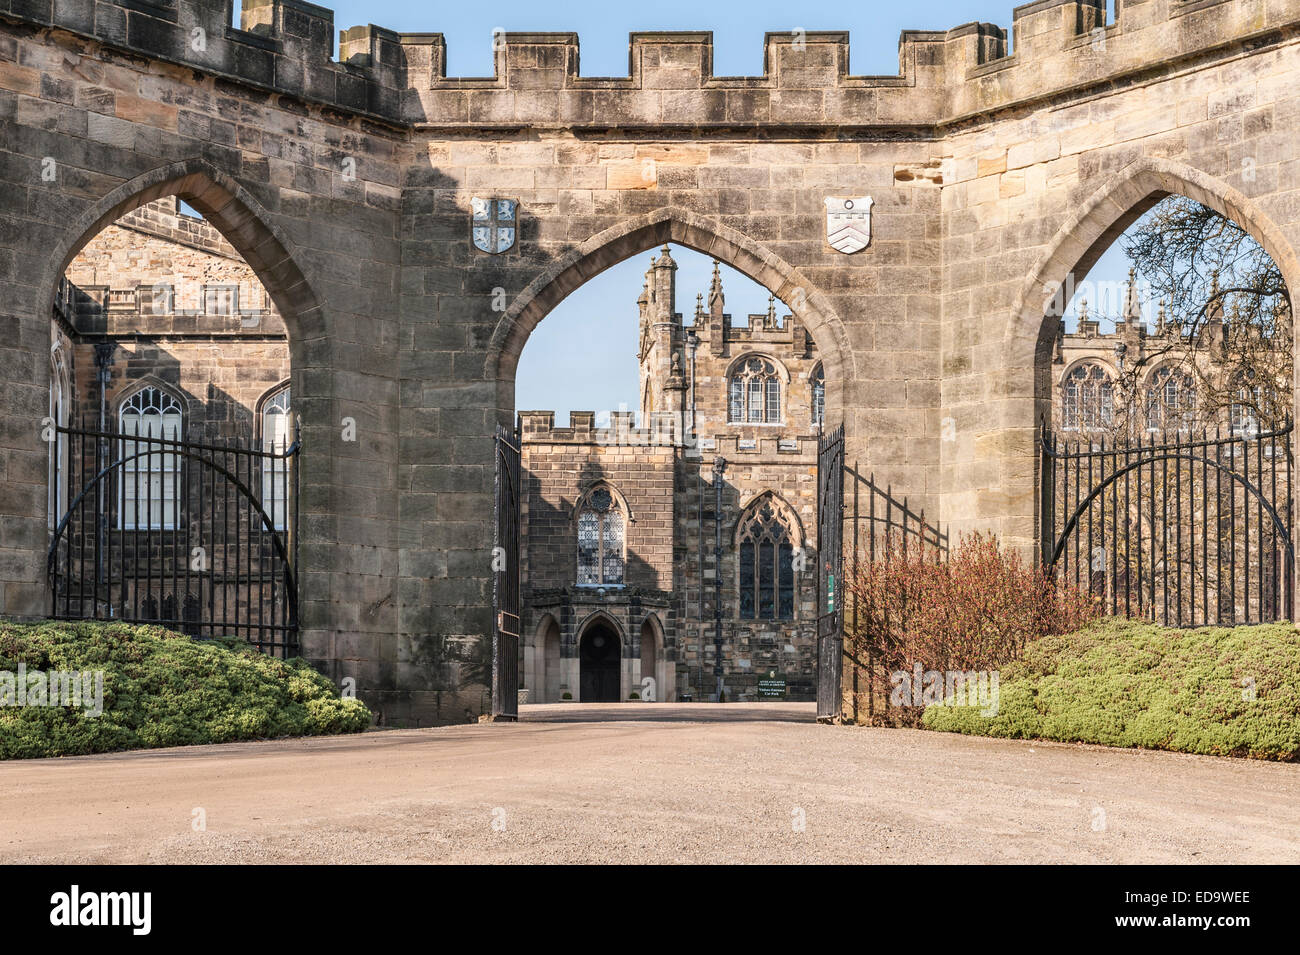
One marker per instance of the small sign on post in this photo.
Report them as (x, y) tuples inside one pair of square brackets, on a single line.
[(771, 686)]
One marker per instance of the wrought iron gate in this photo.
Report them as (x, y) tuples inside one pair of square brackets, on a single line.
[(505, 580), (830, 544), (881, 526), (1181, 529), (200, 538)]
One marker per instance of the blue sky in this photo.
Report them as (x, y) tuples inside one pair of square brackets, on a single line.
[(602, 27), (583, 355)]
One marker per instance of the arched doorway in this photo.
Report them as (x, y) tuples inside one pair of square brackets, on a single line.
[(692, 231), (766, 376), (542, 662), (598, 660)]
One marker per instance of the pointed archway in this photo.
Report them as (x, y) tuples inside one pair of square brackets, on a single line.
[(1021, 378), (231, 210), (641, 234), (249, 229), (1085, 235)]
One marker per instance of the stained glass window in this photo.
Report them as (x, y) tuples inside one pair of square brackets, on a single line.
[(818, 396), (1171, 400), (766, 563), (737, 406), (1244, 413), (276, 438), (60, 413), (601, 539)]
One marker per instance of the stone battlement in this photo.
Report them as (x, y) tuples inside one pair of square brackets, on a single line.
[(944, 78), (664, 429)]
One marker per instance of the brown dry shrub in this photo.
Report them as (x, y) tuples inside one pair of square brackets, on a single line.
[(977, 610)]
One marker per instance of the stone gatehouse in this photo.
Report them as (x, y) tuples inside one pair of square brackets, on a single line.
[(999, 170)]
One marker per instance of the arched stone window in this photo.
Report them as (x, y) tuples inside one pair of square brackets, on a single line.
[(755, 392), (1087, 399), (602, 530), (818, 396), (277, 435), (150, 475), (1243, 416), (766, 536), (1171, 400)]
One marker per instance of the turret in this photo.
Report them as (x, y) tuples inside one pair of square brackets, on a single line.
[(1211, 332), (717, 313), (662, 381), (1088, 326), (1214, 307), (1132, 309)]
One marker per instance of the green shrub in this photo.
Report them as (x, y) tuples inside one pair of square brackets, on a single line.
[(163, 689), (1214, 691)]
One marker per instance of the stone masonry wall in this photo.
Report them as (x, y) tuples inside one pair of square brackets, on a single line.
[(560, 465)]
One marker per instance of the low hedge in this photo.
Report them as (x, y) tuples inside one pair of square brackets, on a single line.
[(1214, 691), (162, 689)]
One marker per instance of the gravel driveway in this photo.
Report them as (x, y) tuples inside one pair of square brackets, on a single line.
[(650, 783)]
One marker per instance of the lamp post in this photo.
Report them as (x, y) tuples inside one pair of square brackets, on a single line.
[(693, 342), (103, 378), (719, 465), (1120, 350)]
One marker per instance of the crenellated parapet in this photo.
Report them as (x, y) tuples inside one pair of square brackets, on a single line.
[(944, 77), (659, 429)]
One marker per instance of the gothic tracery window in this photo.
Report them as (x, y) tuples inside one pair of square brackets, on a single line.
[(60, 414), (1244, 414), (766, 562), (755, 393), (601, 539), (818, 396), (277, 435), (1171, 400), (150, 472), (1087, 399)]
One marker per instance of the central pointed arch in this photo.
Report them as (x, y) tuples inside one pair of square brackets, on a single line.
[(643, 233)]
